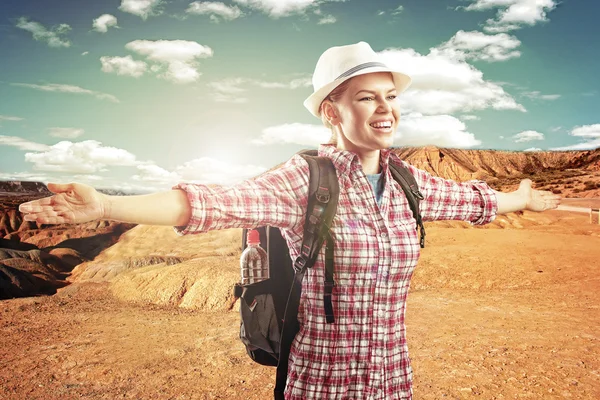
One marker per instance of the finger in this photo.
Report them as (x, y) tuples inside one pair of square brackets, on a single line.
[(42, 214), (55, 208), (47, 219), (60, 187), (31, 205), (38, 206)]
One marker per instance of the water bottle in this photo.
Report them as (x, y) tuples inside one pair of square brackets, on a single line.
[(253, 261)]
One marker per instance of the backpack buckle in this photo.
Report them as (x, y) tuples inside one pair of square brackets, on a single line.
[(299, 264), (416, 192), (323, 195)]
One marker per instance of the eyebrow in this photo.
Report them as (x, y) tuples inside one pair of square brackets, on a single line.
[(373, 92)]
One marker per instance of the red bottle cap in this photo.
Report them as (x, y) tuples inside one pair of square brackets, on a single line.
[(253, 237)]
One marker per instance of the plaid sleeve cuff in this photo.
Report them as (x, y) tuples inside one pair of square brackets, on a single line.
[(195, 195), (489, 203)]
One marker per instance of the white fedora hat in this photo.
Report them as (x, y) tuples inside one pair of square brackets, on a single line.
[(338, 64)]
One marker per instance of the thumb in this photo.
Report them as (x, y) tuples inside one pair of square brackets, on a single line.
[(525, 184), (59, 187)]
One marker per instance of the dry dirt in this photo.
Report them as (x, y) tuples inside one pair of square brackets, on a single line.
[(509, 311)]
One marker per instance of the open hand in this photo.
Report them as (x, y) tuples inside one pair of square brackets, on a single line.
[(73, 203), (537, 200)]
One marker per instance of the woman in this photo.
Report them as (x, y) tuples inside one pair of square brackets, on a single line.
[(364, 353)]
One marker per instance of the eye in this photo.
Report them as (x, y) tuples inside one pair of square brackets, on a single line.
[(392, 97), (366, 98)]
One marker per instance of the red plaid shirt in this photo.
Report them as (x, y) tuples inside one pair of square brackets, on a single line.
[(363, 355)]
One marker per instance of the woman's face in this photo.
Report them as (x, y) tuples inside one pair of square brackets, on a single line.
[(367, 113)]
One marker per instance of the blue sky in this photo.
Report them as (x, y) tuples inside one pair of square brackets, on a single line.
[(140, 94)]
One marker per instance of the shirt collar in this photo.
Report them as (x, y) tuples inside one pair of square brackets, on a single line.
[(346, 162)]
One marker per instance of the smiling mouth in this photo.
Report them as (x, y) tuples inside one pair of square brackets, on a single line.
[(382, 125)]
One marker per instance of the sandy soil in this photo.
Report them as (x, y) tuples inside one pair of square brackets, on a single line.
[(493, 314)]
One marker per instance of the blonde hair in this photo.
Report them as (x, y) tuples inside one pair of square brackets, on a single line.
[(332, 97)]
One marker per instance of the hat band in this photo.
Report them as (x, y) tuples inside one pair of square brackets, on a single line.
[(360, 67)]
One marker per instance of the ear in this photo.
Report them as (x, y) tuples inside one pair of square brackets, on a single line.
[(330, 112)]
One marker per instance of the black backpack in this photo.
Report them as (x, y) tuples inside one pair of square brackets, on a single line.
[(269, 308)]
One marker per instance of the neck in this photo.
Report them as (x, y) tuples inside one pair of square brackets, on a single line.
[(370, 162)]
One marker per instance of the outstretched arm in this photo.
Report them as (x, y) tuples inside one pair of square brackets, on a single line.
[(75, 203), (526, 198)]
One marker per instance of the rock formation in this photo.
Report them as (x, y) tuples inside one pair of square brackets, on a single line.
[(37, 259)]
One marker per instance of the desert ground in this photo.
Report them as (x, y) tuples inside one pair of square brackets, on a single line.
[(506, 311)]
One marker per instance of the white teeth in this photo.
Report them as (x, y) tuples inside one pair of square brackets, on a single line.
[(386, 124)]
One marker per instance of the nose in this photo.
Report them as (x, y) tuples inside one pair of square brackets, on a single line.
[(384, 105)]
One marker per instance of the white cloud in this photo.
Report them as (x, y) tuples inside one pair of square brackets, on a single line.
[(180, 57), (23, 176), (86, 157), (533, 149), (468, 117), (588, 145), (479, 46), (536, 95), (292, 84), (85, 53), (10, 118), (22, 144), (141, 8), (208, 170), (528, 136), (416, 129), (445, 85), (398, 10), (123, 66), (216, 10), (65, 133), (328, 19), (103, 22), (231, 89), (280, 8), (202, 170), (587, 131), (294, 133), (590, 134), (513, 14), (150, 172), (41, 33), (54, 87)]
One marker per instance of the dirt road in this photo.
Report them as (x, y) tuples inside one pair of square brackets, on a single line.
[(492, 314)]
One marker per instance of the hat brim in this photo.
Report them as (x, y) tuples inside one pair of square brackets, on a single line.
[(313, 102)]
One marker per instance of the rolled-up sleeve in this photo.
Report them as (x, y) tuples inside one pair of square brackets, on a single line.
[(473, 201), (276, 198)]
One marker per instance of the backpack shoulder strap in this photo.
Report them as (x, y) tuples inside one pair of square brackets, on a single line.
[(410, 187), (323, 193)]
